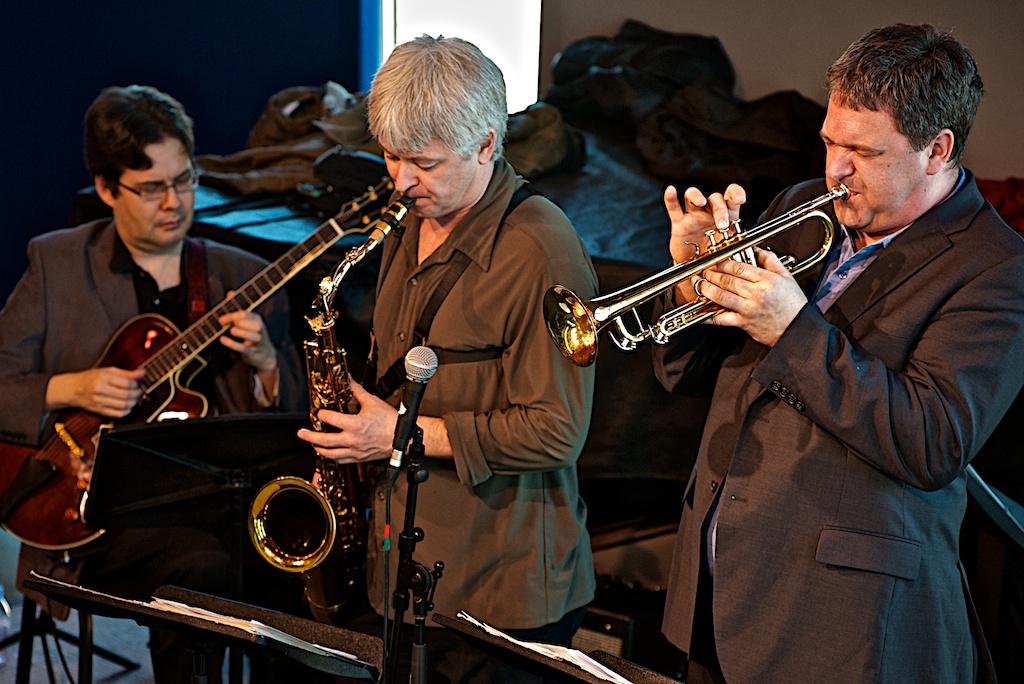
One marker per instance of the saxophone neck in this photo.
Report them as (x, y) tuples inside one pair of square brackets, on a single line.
[(389, 220)]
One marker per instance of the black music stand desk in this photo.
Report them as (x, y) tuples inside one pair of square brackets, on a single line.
[(362, 658), (144, 473), (531, 661), (201, 472)]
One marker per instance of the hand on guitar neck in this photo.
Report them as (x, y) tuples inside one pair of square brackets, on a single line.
[(247, 334)]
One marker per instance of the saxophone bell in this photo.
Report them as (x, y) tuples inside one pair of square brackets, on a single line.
[(300, 533)]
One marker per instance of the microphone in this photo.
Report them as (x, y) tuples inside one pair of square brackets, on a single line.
[(420, 365)]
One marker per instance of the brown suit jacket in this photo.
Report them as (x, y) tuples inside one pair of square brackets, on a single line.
[(840, 456)]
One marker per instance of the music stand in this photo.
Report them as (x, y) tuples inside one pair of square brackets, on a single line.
[(531, 661), (362, 658), (199, 473)]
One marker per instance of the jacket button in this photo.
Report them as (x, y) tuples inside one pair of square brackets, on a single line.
[(799, 406), (714, 486), (776, 386)]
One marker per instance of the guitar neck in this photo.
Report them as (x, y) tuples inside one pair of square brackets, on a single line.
[(186, 346)]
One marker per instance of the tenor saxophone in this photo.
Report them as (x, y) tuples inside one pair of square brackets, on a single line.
[(318, 528)]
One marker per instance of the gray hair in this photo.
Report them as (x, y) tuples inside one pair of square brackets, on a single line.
[(925, 78), (441, 89)]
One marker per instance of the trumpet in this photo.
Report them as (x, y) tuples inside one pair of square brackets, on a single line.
[(574, 325)]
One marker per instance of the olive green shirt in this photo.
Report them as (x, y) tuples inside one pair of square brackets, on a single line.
[(505, 516)]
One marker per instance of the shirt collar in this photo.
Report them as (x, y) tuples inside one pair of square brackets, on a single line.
[(846, 249), (477, 232), (121, 259)]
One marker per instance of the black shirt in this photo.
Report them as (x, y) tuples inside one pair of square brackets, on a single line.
[(171, 304)]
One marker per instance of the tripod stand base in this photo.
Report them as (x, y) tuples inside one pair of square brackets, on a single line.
[(35, 622)]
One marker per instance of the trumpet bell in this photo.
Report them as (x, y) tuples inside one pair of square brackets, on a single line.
[(571, 325)]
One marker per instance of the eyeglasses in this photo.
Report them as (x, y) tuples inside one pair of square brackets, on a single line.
[(185, 184)]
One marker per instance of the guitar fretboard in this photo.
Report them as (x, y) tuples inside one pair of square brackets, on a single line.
[(200, 334)]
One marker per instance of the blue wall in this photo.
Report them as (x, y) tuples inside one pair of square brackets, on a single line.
[(222, 58)]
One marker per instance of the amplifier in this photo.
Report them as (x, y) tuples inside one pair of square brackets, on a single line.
[(603, 630), (625, 621)]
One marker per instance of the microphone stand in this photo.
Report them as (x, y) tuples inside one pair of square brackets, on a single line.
[(413, 578)]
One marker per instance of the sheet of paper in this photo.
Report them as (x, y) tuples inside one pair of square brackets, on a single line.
[(563, 653), (250, 626)]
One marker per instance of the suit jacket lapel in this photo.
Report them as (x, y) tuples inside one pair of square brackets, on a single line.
[(111, 287), (907, 253)]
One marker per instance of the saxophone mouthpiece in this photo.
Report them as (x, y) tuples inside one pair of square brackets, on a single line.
[(390, 218)]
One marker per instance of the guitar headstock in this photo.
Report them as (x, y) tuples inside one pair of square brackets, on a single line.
[(360, 211)]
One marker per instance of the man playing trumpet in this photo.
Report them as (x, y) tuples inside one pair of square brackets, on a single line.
[(819, 538)]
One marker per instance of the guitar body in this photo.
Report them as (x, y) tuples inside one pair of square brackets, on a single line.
[(51, 516)]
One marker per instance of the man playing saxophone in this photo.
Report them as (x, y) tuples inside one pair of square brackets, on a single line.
[(504, 416), (819, 534)]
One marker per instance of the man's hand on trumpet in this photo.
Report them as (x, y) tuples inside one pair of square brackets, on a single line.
[(696, 215), (762, 300), (692, 219)]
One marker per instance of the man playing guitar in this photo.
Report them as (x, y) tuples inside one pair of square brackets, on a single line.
[(71, 346)]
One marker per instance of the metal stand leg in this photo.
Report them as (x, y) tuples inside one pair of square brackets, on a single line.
[(28, 631), (414, 579), (38, 623)]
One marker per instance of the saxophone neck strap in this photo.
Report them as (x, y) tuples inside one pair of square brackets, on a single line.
[(393, 378)]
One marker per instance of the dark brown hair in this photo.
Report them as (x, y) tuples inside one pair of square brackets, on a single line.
[(925, 78), (122, 121)]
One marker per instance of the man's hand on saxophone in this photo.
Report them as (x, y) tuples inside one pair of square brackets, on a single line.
[(366, 436)]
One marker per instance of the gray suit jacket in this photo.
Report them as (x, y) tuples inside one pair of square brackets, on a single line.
[(68, 306), (840, 456)]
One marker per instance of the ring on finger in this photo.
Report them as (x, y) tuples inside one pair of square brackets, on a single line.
[(697, 283)]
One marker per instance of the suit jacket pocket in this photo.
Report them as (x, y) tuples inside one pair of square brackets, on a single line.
[(870, 551)]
